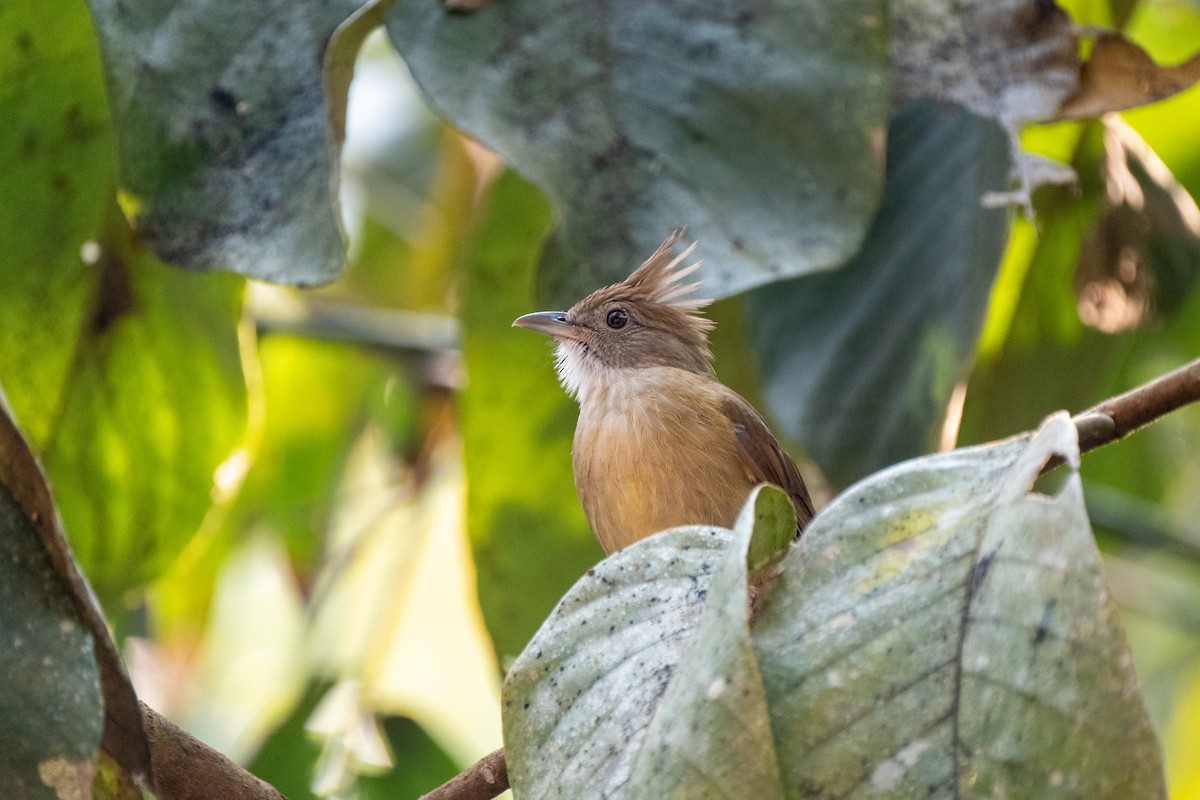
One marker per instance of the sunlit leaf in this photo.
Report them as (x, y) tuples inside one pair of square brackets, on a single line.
[(528, 534), (126, 375), (54, 195), (223, 132), (942, 632), (751, 125), (643, 683), (858, 365), (155, 403)]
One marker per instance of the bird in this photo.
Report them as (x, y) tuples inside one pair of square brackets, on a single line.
[(660, 442)]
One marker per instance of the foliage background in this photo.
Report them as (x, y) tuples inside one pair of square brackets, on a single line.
[(269, 487)]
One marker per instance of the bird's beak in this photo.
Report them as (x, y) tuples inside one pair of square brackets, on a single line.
[(551, 323)]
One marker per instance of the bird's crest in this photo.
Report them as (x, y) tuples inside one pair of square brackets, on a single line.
[(659, 278)]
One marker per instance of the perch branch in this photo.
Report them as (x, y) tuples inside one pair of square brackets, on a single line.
[(1120, 416), (187, 769), (483, 780)]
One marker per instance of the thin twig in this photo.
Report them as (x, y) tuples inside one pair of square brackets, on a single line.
[(1115, 419), (1119, 416), (483, 780)]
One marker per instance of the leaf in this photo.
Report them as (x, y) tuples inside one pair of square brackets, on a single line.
[(1120, 75), (642, 683), (57, 183), (1018, 61), (942, 632), (77, 695), (223, 135), (50, 703), (1143, 255), (754, 126), (1011, 60), (156, 402), (528, 534), (858, 365)]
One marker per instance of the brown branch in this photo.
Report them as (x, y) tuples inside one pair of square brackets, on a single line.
[(1115, 419), (187, 769), (1119, 416), (483, 780)]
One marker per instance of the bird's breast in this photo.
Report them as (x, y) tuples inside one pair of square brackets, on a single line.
[(658, 455)]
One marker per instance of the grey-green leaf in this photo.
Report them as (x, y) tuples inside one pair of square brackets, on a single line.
[(223, 135), (642, 683), (859, 365), (941, 632), (752, 125), (50, 699)]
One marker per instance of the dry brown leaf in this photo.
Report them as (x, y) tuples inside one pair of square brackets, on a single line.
[(1121, 75), (1134, 264)]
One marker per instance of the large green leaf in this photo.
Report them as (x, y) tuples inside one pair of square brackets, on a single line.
[(859, 364), (223, 136), (55, 153), (941, 632), (154, 403), (751, 124), (643, 682), (126, 375), (528, 534)]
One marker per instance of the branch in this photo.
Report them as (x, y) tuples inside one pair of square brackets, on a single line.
[(187, 769), (1120, 416), (483, 780)]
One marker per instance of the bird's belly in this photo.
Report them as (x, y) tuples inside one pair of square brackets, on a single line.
[(638, 474)]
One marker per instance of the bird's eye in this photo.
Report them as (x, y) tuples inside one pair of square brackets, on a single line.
[(617, 318)]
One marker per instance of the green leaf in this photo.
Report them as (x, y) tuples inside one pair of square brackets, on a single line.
[(223, 137), (940, 631), (769, 513), (155, 403), (859, 364), (642, 683), (126, 375), (528, 533), (54, 194), (752, 125)]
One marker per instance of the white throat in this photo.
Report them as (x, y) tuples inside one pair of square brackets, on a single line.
[(578, 370)]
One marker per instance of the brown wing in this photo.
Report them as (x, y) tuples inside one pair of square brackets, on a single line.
[(764, 460)]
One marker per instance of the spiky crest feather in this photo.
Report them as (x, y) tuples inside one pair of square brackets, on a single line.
[(659, 277), (658, 281)]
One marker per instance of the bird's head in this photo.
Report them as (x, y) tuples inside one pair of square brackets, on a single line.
[(647, 320)]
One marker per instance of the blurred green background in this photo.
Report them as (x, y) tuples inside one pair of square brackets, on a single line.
[(393, 511)]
